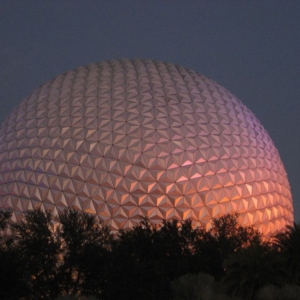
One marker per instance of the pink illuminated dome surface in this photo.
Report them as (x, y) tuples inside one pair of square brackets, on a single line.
[(126, 138)]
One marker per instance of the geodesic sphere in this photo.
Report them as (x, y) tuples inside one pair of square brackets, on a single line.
[(126, 138)]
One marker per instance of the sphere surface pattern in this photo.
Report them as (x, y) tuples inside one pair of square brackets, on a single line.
[(126, 138)]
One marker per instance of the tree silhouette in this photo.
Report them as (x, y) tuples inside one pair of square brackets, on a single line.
[(85, 246), (11, 285), (37, 249), (5, 215), (82, 258), (193, 287), (251, 268), (225, 237), (136, 266), (273, 292), (288, 243)]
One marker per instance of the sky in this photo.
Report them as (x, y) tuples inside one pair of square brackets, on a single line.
[(250, 47)]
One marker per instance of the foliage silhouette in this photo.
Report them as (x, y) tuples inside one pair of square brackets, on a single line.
[(37, 249), (5, 215), (85, 245), (11, 286), (226, 236), (288, 243), (251, 268), (193, 287), (136, 265), (272, 292), (72, 255)]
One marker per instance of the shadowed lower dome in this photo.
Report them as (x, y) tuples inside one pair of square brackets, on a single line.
[(125, 138)]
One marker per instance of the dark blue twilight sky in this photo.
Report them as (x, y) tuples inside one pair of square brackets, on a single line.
[(250, 47)]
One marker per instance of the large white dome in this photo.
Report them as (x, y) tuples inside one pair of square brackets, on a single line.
[(125, 138)]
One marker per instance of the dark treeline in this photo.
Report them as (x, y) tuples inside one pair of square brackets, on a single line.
[(44, 257)]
